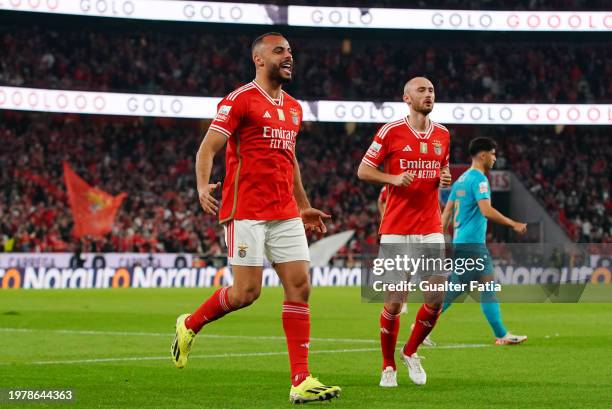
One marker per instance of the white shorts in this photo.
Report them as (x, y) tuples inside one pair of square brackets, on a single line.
[(412, 238), (281, 241), (413, 246)]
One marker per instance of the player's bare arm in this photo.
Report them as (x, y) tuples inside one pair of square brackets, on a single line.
[(446, 215), (445, 177), (495, 216), (311, 217), (369, 173), (211, 144)]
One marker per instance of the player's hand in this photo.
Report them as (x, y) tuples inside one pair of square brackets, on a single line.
[(207, 201), (445, 179), (313, 220), (520, 228), (403, 179)]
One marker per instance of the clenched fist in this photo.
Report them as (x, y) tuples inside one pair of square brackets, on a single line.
[(403, 179)]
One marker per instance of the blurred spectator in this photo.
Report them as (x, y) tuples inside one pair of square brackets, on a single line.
[(188, 63), (153, 161)]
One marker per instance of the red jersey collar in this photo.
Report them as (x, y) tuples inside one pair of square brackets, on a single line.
[(417, 134), (275, 102)]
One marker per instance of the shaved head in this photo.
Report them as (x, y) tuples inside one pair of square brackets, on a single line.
[(420, 95), (257, 44), (415, 82)]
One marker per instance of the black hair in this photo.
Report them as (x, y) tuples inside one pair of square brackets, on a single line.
[(259, 39), (482, 144)]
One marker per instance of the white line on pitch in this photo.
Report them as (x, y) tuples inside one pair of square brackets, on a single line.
[(170, 335), (227, 355), (232, 355), (217, 336), (167, 357)]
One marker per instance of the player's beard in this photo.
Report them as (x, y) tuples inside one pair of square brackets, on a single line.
[(275, 75), (425, 110)]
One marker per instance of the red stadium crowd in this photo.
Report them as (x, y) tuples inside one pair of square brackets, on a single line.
[(187, 63), (569, 173), (153, 162)]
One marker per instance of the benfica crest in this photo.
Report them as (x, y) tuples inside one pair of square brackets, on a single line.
[(242, 248), (437, 148), (98, 200), (294, 116)]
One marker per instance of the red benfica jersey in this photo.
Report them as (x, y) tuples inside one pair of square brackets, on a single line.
[(412, 209), (382, 196), (260, 154)]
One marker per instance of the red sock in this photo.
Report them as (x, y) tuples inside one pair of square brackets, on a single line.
[(213, 308), (296, 323), (425, 321), (389, 328)]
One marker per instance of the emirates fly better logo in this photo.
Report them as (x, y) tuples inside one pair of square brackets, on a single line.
[(280, 138)]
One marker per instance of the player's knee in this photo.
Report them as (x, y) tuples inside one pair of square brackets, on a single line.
[(298, 292), (394, 307), (303, 291), (435, 299), (244, 297)]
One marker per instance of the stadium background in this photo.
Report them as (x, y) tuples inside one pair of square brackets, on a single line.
[(554, 176)]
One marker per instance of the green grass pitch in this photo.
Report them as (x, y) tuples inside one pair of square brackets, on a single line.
[(112, 348)]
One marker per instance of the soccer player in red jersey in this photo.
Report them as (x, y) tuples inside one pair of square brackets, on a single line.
[(264, 209), (414, 152)]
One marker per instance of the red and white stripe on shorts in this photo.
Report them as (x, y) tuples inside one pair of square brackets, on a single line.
[(229, 238)]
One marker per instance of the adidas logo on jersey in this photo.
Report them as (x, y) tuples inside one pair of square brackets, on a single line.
[(407, 148), (267, 115)]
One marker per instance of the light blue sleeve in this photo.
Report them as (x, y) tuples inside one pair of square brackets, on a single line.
[(481, 188)]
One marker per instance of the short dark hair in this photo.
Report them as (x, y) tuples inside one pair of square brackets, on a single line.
[(481, 144), (259, 39)]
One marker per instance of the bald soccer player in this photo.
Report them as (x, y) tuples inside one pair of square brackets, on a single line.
[(414, 155)]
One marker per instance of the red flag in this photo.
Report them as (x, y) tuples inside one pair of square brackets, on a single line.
[(42, 182), (93, 210)]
